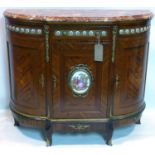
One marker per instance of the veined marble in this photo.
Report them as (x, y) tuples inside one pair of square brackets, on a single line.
[(78, 15)]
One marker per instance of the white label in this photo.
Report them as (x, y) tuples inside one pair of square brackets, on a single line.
[(98, 52)]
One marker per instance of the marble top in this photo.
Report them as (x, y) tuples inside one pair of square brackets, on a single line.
[(78, 15)]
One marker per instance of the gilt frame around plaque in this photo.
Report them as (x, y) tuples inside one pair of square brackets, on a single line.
[(80, 80)]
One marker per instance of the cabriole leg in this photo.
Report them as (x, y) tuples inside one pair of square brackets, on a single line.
[(138, 121), (16, 123), (109, 132), (48, 133)]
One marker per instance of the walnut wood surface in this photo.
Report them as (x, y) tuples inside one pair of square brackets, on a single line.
[(65, 55), (130, 66), (26, 55), (116, 97)]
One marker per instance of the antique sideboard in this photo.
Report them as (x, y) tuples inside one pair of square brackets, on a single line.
[(77, 70)]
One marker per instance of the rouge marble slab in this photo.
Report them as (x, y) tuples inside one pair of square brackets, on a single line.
[(78, 15)]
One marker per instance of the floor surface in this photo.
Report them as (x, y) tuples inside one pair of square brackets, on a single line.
[(126, 140)]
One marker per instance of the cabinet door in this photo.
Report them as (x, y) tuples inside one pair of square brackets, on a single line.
[(130, 72), (27, 68), (67, 56)]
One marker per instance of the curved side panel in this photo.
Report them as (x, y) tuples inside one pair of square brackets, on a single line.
[(130, 73), (27, 72)]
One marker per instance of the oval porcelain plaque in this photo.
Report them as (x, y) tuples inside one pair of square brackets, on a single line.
[(80, 80)]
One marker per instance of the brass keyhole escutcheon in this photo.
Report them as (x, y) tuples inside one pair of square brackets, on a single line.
[(42, 80), (54, 80), (117, 80)]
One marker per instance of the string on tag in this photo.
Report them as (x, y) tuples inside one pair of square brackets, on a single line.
[(98, 38)]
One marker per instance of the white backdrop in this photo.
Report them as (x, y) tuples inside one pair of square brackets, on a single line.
[(129, 140)]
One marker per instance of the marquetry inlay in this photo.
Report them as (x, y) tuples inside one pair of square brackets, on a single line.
[(24, 30), (79, 33), (137, 30)]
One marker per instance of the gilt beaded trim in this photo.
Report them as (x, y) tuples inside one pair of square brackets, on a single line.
[(137, 30), (24, 30), (79, 33)]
